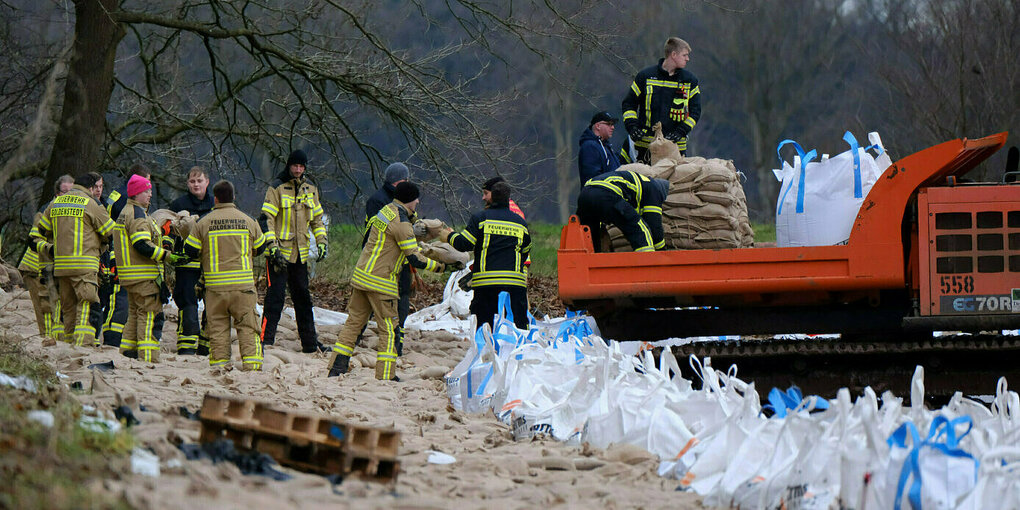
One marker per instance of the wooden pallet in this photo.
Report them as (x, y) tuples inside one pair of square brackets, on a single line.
[(306, 442)]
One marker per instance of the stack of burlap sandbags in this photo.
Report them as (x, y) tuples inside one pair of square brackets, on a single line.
[(706, 207)]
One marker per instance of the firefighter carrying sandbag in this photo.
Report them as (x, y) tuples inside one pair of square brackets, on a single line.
[(225, 240), (374, 288), (136, 244)]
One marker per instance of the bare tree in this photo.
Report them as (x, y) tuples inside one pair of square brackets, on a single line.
[(227, 83), (950, 67)]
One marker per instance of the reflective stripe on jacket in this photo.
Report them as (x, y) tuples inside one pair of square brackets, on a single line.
[(390, 242), (225, 240), (77, 225), (30, 260), (290, 208), (501, 243), (640, 193), (655, 96), (133, 226)]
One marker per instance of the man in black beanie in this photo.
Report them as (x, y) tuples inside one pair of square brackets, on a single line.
[(501, 243), (291, 207), (374, 282), (395, 174)]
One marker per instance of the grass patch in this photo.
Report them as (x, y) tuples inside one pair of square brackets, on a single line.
[(764, 232), (52, 467)]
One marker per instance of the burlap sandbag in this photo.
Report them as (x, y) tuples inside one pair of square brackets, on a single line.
[(711, 211), (673, 214), (716, 173), (663, 169), (685, 173), (661, 148), (427, 229), (640, 168), (181, 223), (444, 253), (686, 200), (723, 198)]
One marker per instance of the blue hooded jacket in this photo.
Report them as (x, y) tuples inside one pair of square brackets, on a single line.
[(595, 156)]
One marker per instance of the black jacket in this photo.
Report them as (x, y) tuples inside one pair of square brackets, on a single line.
[(188, 202), (500, 240), (674, 100), (639, 192)]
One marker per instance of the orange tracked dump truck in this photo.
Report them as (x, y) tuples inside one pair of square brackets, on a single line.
[(926, 253)]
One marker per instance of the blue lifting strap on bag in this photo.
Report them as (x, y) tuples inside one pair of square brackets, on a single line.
[(940, 426), (805, 158), (848, 137)]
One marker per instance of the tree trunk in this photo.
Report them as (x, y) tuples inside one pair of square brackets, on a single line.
[(86, 92), (566, 172)]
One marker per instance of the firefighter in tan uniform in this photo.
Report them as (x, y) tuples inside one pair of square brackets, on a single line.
[(136, 244), (78, 226), (37, 269), (290, 209), (374, 282), (225, 240)]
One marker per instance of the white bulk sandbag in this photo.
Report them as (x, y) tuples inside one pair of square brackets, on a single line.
[(819, 200)]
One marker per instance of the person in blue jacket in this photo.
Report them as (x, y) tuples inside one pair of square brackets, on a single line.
[(596, 155)]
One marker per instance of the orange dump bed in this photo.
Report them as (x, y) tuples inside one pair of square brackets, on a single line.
[(875, 258)]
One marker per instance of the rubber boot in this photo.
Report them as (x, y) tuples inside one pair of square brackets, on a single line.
[(317, 347), (338, 364)]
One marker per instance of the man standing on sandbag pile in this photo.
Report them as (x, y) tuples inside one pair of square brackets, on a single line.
[(79, 227), (198, 202), (290, 209), (595, 155), (36, 275), (501, 243), (629, 200), (395, 174), (137, 248), (225, 240), (666, 93), (374, 288)]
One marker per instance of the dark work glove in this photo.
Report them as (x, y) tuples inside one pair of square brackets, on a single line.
[(200, 289), (105, 281), (465, 282), (678, 133), (633, 129), (164, 292), (277, 259)]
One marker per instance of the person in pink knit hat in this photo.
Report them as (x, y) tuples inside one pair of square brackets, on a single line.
[(140, 269)]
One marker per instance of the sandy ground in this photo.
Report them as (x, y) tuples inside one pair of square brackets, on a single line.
[(491, 471)]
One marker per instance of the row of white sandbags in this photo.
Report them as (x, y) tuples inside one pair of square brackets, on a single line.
[(562, 380)]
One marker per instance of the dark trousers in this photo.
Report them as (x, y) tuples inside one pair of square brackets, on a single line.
[(189, 329), (485, 304), (296, 277), (597, 205), (110, 313)]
